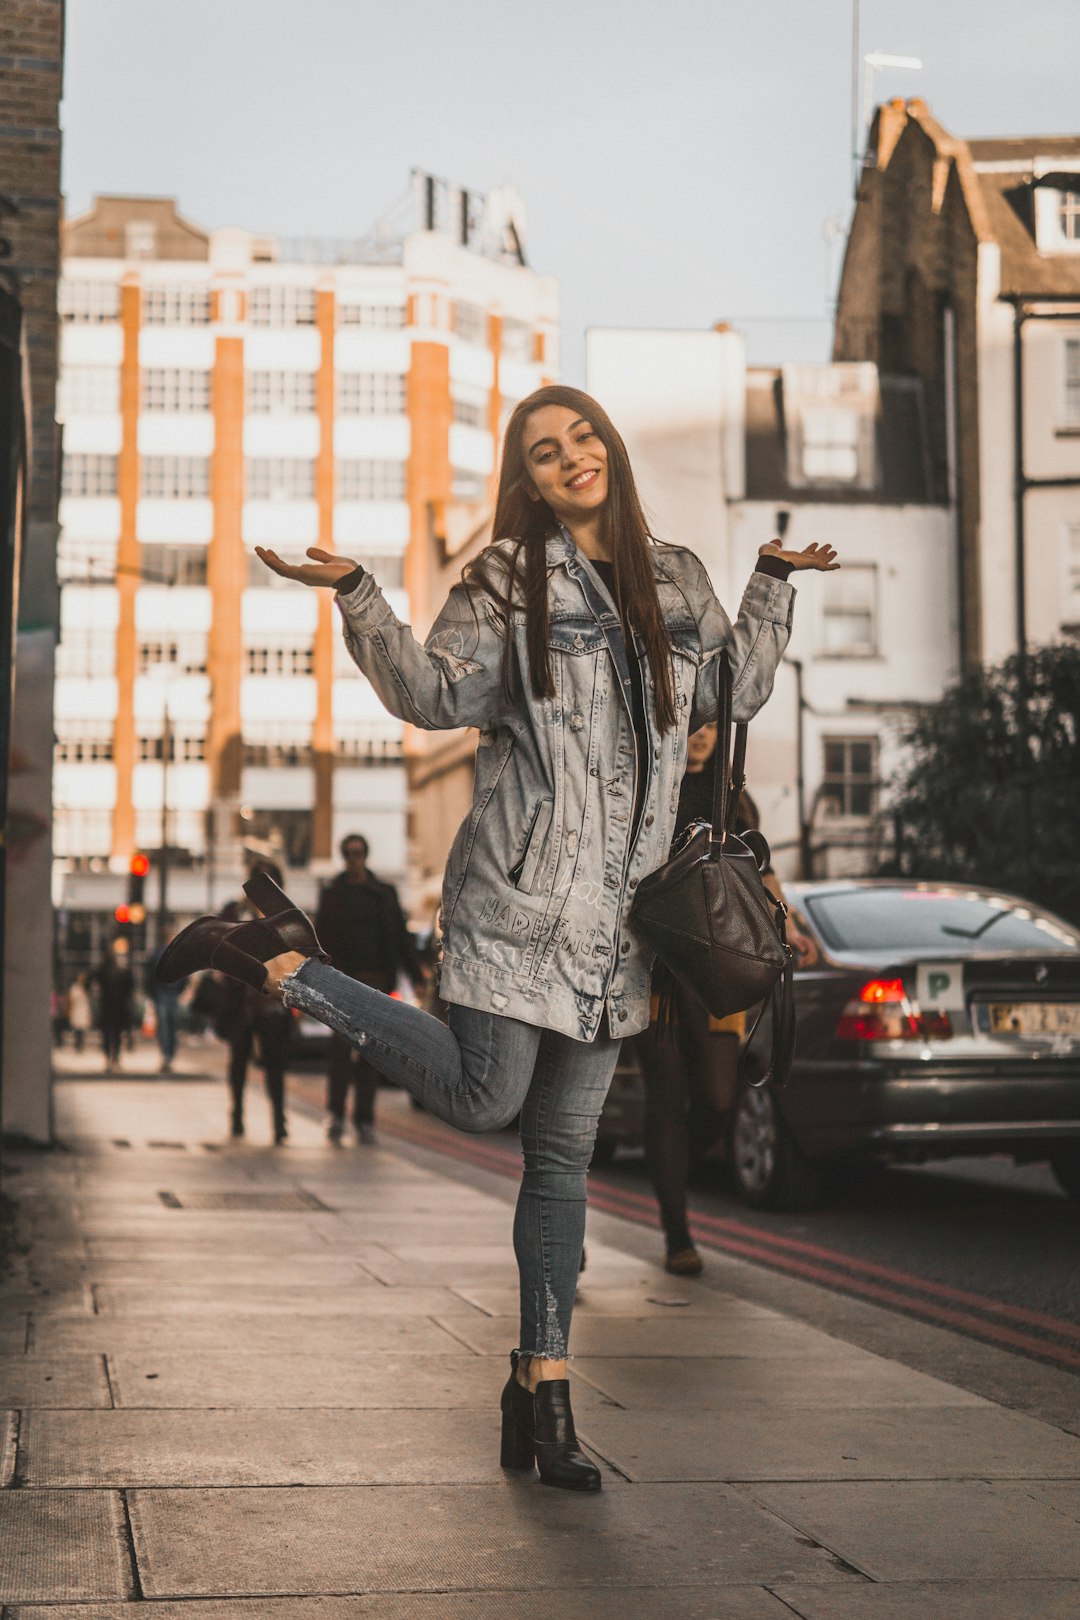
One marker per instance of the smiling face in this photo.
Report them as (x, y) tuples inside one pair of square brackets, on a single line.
[(566, 461)]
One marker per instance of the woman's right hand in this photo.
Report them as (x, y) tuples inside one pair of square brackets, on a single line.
[(326, 569)]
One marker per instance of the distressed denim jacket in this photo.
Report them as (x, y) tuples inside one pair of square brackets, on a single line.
[(542, 874)]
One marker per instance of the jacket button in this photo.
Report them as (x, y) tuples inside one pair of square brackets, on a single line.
[(625, 946), (621, 1015), (649, 820), (633, 883)]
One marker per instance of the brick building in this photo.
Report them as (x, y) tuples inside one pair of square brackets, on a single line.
[(31, 79), (962, 273)]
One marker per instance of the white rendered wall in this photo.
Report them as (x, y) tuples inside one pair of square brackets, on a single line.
[(676, 398)]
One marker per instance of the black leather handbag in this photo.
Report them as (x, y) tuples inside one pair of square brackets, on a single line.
[(710, 919)]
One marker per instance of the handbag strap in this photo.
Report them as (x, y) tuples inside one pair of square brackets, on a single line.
[(729, 773)]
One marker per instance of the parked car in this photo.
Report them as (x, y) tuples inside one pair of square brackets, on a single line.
[(940, 1019)]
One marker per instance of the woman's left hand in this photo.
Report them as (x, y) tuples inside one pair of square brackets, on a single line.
[(814, 556)]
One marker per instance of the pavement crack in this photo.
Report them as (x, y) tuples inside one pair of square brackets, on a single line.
[(137, 1592)]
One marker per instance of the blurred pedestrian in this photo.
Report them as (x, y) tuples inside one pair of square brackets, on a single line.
[(80, 1010), (166, 1001), (690, 1074), (115, 985), (255, 1026), (362, 927)]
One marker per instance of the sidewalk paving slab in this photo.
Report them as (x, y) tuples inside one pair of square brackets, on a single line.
[(667, 1333), (515, 1535), (62, 1545), (27, 1382), (710, 1384), (63, 1336), (811, 1443), (627, 1603), (938, 1600), (944, 1530), (361, 1296)]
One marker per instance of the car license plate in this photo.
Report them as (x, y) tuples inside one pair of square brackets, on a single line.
[(1034, 1017)]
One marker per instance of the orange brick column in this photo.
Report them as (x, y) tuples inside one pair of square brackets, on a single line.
[(127, 574), (226, 564), (322, 737), (428, 482)]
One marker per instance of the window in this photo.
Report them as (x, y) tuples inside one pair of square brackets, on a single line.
[(185, 749), (89, 475), (280, 660), (830, 443), (87, 391), (1072, 383), (370, 481), (849, 613), (176, 304), (276, 752), (380, 316), (183, 654), (849, 783), (174, 478), (389, 569), (81, 834), (281, 305), (1069, 215), (85, 651), (470, 322), (466, 485), (280, 393), (174, 565), (87, 301), (287, 831), (140, 239), (1072, 574), (80, 561), (175, 390), (280, 478), (85, 742), (370, 393), (468, 414), (517, 340), (371, 741)]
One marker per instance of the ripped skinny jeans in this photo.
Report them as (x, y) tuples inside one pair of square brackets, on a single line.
[(478, 1074)]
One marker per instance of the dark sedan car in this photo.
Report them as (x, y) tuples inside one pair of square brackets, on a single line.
[(940, 1019)]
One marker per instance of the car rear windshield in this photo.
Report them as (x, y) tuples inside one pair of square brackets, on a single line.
[(912, 920)]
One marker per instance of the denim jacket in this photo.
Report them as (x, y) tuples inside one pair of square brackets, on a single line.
[(542, 874)]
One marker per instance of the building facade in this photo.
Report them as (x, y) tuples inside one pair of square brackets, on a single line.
[(728, 457), (221, 390), (962, 273), (31, 86)]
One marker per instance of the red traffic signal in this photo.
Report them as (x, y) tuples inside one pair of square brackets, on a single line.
[(140, 865), (122, 914)]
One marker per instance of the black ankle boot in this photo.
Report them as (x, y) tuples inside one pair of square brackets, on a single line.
[(539, 1428)]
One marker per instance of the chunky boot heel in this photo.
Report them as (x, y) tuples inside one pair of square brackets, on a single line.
[(270, 898), (517, 1446)]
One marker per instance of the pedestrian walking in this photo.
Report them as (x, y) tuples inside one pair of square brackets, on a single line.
[(690, 1074), (254, 1026), (362, 928), (166, 1001), (115, 987), (583, 651), (80, 1010)]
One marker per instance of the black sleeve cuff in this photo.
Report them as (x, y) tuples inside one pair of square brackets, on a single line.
[(350, 582), (775, 567)]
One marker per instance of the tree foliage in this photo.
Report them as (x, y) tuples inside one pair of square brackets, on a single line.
[(991, 789)]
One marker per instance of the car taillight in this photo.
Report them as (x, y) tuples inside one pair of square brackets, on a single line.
[(883, 1011)]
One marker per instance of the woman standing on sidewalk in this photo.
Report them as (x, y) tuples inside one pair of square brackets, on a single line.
[(584, 652)]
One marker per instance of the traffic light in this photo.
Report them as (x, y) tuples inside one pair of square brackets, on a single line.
[(135, 909)]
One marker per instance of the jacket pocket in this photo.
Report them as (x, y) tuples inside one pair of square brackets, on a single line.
[(523, 872)]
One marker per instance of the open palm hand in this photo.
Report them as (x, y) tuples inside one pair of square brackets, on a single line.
[(325, 569), (814, 556)]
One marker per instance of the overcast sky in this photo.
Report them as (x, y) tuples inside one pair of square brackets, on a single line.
[(679, 161)]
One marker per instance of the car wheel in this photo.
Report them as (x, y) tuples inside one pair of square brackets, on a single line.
[(1065, 1163), (770, 1171)]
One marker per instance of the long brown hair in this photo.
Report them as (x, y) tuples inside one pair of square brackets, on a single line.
[(521, 517)]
